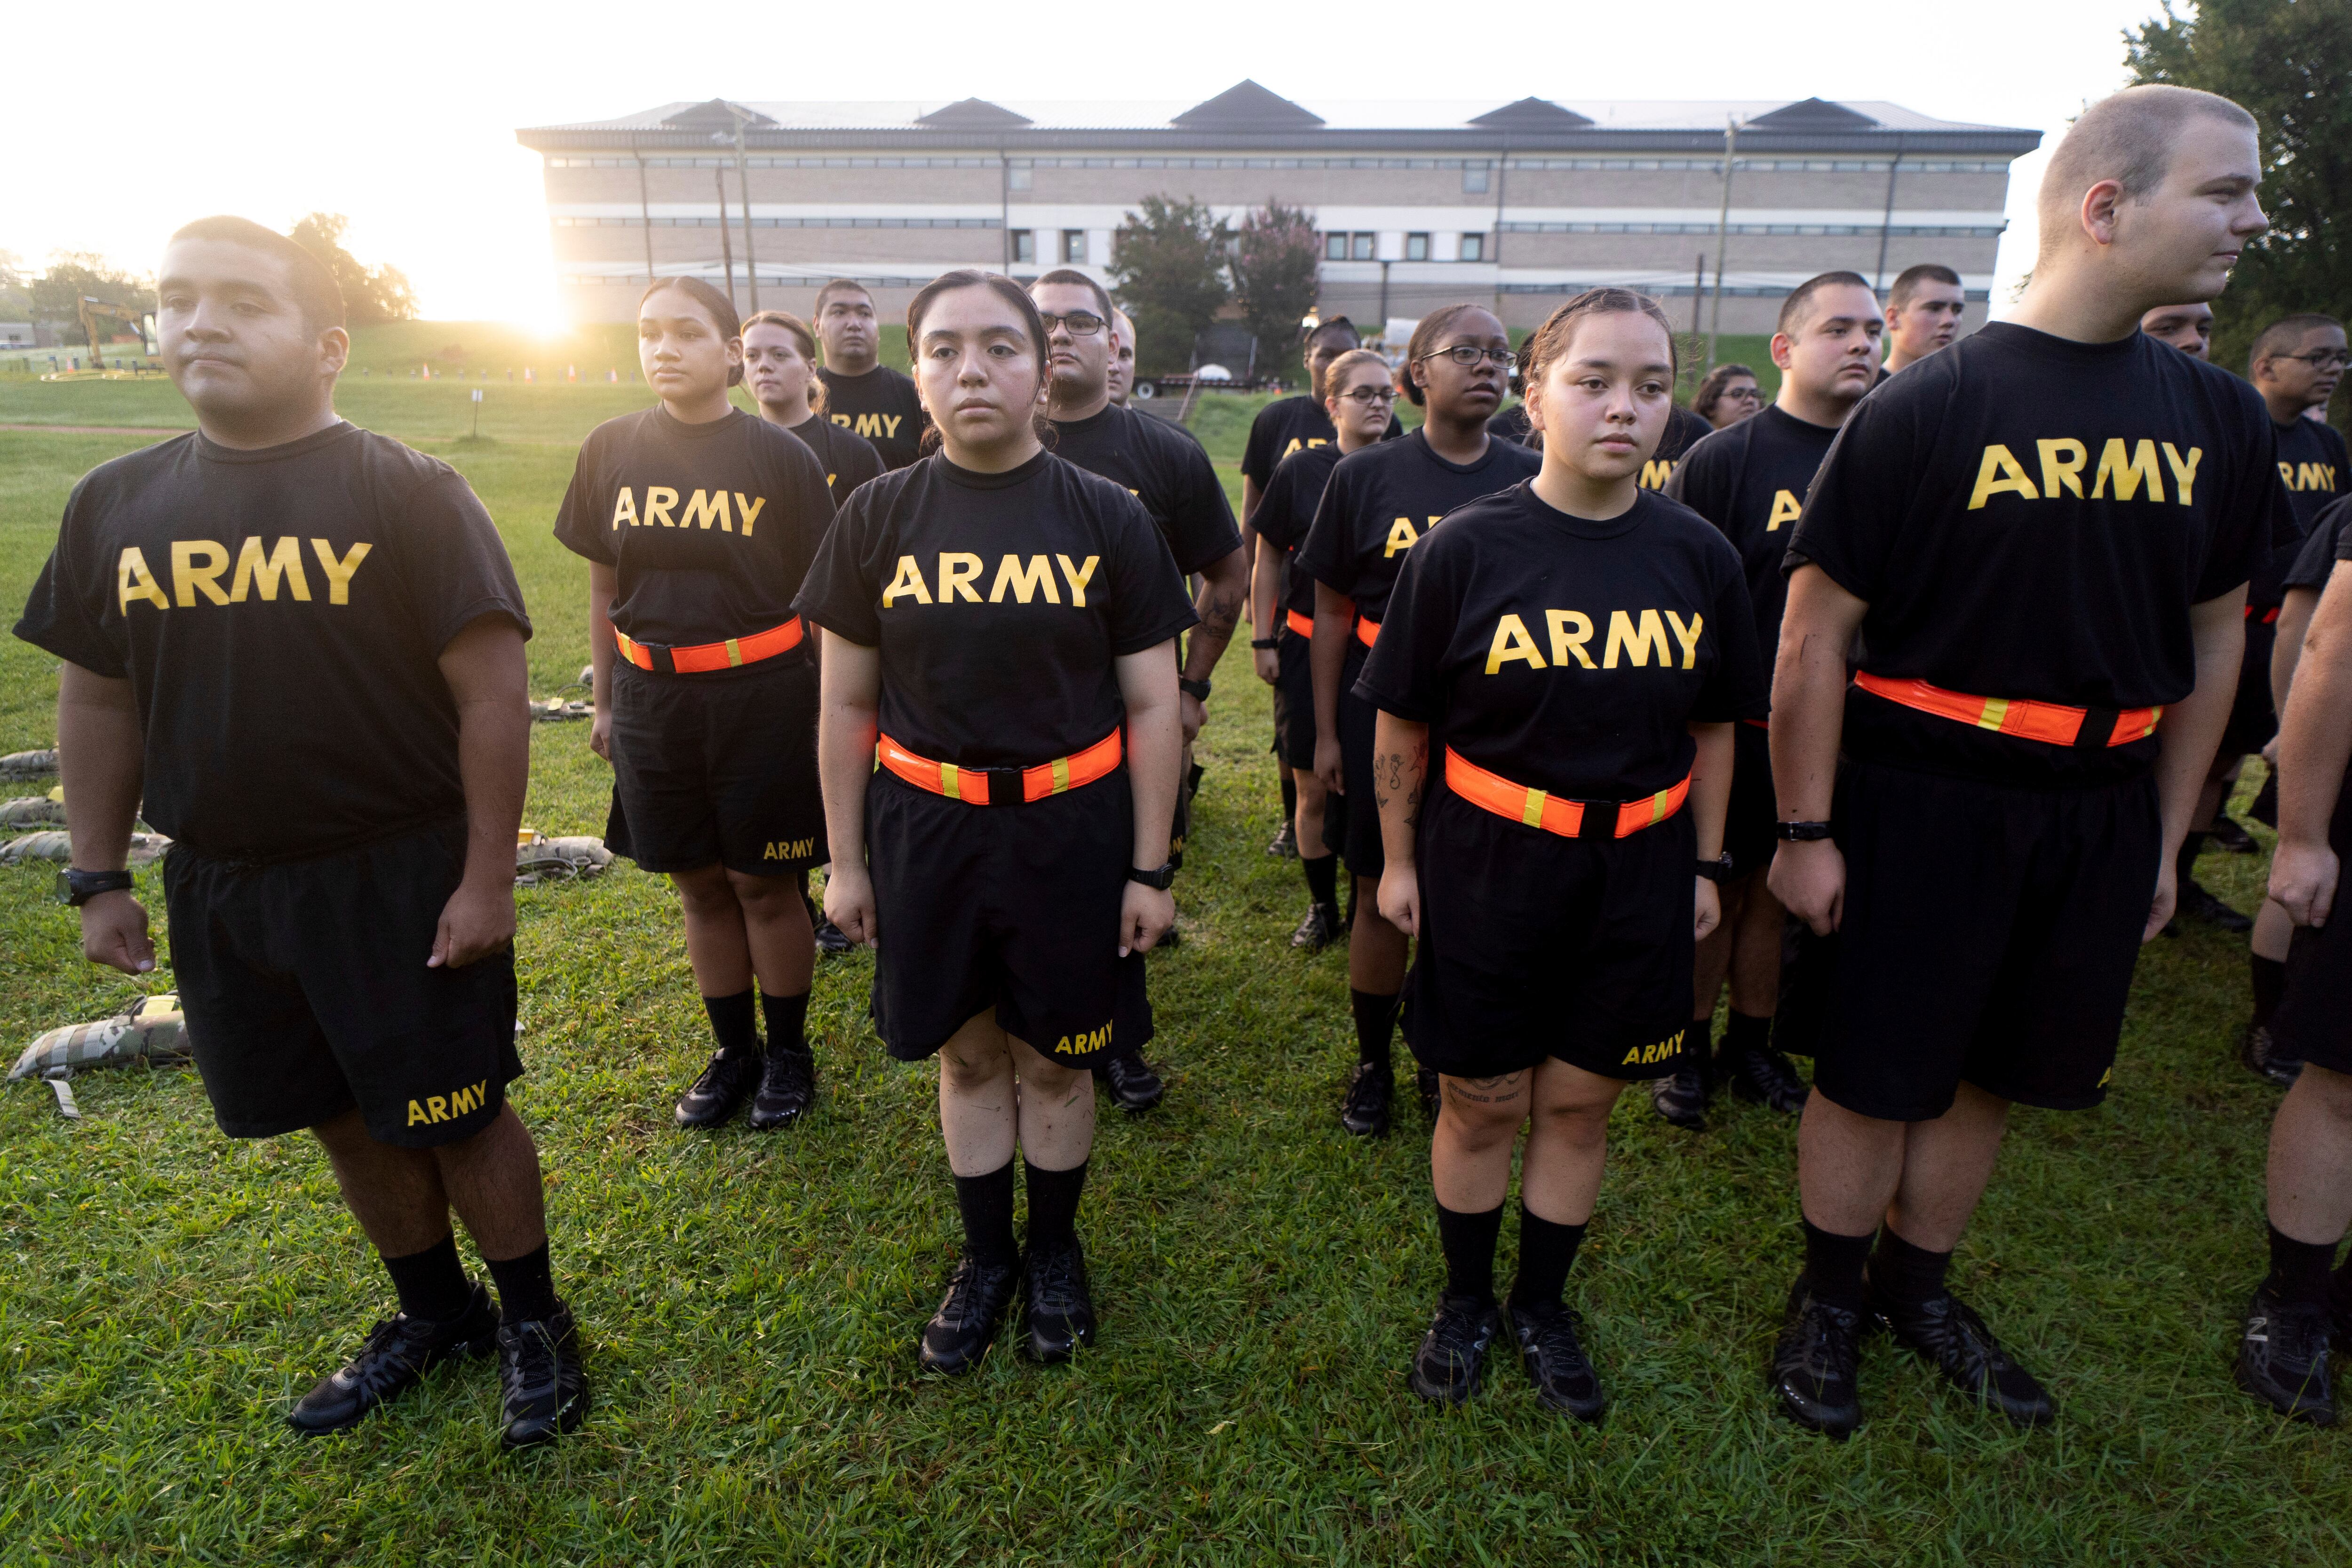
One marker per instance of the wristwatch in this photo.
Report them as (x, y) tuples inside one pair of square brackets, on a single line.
[(1160, 881), (75, 889), (1266, 643), (1801, 832), (1196, 689), (1718, 869)]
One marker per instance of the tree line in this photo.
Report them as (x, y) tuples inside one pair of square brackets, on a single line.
[(371, 294)]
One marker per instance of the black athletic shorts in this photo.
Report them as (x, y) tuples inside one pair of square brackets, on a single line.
[(1351, 822), (1988, 936), (1533, 945), (2314, 1021), (1749, 820), (1011, 906), (1294, 703), (307, 993), (2252, 719), (718, 766)]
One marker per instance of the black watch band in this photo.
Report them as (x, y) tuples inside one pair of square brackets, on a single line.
[(1801, 832), (1718, 870), (1196, 689), (1265, 642), (1160, 881), (75, 889)]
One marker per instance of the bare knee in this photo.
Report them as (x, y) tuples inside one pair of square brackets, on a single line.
[(1580, 1124), (706, 892), (1041, 1077), (976, 1060), (2325, 1091), (765, 899), (1483, 1112)]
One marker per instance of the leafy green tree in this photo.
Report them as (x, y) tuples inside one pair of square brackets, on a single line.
[(1169, 266), (2289, 62), (58, 292), (1277, 261), (372, 295)]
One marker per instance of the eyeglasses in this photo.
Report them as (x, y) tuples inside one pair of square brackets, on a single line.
[(2326, 359), (1369, 395), (1468, 354), (1741, 393), (1081, 324)]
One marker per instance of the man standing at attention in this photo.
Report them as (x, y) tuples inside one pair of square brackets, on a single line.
[(861, 393), (1923, 313)]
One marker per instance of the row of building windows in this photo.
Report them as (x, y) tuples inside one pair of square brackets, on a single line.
[(734, 221), (1363, 245), (766, 163), (1924, 231), (1658, 291), (1068, 245), (1471, 167), (1765, 165)]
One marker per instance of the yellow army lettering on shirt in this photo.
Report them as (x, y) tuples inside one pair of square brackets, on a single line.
[(1786, 508), (702, 508), (1403, 537), (2308, 476), (2127, 471), (199, 564), (873, 427), (958, 578), (1633, 639), (1083, 1041), (1658, 1051), (1656, 471), (452, 1106), (1296, 443), (789, 849)]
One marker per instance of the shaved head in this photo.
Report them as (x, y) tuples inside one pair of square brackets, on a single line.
[(2128, 137)]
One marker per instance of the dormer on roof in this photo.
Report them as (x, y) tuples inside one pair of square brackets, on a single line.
[(972, 114), (716, 114), (1812, 114), (1246, 106), (1532, 115)]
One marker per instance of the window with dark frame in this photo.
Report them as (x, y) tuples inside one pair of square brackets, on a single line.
[(1474, 247)]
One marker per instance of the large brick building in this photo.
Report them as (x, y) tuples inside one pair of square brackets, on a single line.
[(1420, 204)]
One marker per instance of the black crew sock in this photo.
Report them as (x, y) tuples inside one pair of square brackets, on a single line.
[(1375, 1021), (1322, 879), (1054, 1206), (1905, 1273), (526, 1287), (733, 1022), (2270, 985), (1469, 1243), (2339, 1291), (1289, 799), (2299, 1269), (2184, 870), (1547, 1252), (1833, 1265), (1747, 1033), (787, 1021), (986, 1204), (1702, 1040), (432, 1283)]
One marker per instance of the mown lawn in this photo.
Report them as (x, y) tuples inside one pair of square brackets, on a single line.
[(750, 1303)]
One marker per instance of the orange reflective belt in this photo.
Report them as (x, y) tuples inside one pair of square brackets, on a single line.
[(2052, 722), (1303, 625), (976, 786), (1557, 813), (1365, 631), (2270, 616), (708, 655), (1759, 723)]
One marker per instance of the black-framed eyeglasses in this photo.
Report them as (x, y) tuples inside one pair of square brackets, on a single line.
[(1467, 354), (1368, 396), (1744, 393), (1081, 324), (2326, 359)]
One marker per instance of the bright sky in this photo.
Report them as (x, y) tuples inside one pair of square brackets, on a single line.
[(402, 116)]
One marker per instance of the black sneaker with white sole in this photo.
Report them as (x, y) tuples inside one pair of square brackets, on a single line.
[(393, 1359)]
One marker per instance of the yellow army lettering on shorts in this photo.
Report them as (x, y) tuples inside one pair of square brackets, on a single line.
[(1657, 1051), (789, 849), (1083, 1042), (452, 1106)]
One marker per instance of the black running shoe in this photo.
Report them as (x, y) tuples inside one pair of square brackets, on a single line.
[(2230, 835), (545, 1389), (1445, 1368), (1286, 843), (1815, 1364), (2197, 903), (831, 940), (2261, 1056), (969, 1314), (1132, 1084), (787, 1088), (1365, 1112), (1766, 1075), (1681, 1096), (1556, 1362), (724, 1086), (1948, 1331), (2282, 1358), (1059, 1308), (1318, 928), (394, 1358), (1424, 1082)]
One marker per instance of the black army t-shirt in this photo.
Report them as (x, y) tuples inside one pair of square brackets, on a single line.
[(999, 603), (879, 406), (1511, 425), (1380, 500), (1164, 469), (2316, 559), (1568, 653), (1286, 512), (2031, 517), (1749, 480), (2315, 469), (709, 527), (279, 614), (849, 460), (1288, 425)]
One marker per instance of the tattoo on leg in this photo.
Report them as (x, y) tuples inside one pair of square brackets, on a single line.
[(1499, 1090)]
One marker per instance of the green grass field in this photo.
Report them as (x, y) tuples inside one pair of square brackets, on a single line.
[(750, 1303)]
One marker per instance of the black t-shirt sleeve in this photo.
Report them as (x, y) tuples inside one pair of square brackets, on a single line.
[(2258, 519), (453, 561), (576, 525), (860, 463), (1739, 687), (66, 613), (1854, 513), (1258, 458), (1276, 518), (1148, 604), (1404, 674), (1201, 531), (843, 590), (1326, 553), (1702, 481), (2317, 559)]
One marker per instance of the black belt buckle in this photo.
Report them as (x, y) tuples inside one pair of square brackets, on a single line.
[(1598, 821), (989, 777), (2098, 728)]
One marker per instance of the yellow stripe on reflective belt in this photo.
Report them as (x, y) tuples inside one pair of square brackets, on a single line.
[(1532, 812), (1996, 709), (734, 651), (951, 784), (1061, 774), (1658, 807)]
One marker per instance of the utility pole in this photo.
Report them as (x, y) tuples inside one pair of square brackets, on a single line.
[(725, 245), (1698, 292), (743, 184), (646, 215), (1722, 237), (1886, 223)]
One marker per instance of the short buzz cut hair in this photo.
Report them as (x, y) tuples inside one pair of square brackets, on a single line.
[(1072, 277), (2126, 137), (839, 286), (314, 289), (2288, 332), (1907, 282), (1797, 309)]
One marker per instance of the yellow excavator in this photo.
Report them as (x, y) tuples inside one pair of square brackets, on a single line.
[(94, 310)]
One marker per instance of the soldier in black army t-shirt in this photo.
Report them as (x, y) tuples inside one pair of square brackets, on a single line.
[(700, 522), (1749, 480), (780, 373), (1002, 625), (2043, 536), (296, 647), (1376, 506), (1558, 677), (862, 395)]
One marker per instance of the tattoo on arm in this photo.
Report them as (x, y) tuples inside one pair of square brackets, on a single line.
[(1220, 610)]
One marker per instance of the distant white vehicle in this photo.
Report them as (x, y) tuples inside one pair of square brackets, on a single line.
[(1213, 372)]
